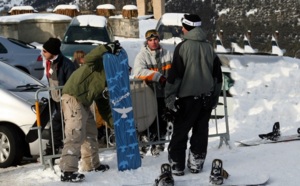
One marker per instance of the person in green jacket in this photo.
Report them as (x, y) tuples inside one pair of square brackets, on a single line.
[(83, 87)]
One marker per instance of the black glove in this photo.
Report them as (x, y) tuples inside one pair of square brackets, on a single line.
[(162, 81), (113, 47), (168, 115)]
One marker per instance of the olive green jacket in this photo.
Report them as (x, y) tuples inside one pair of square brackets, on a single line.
[(87, 82)]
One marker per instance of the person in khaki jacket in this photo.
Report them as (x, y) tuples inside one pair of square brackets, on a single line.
[(84, 86)]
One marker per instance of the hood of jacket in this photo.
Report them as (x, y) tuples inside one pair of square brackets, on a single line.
[(196, 34)]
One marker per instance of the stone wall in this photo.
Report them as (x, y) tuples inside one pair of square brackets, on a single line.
[(128, 28), (34, 30), (39, 30)]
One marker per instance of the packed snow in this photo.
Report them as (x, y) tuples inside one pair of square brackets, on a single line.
[(264, 93)]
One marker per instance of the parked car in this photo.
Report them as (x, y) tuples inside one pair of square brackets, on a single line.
[(169, 26), (17, 114), (22, 55), (85, 32)]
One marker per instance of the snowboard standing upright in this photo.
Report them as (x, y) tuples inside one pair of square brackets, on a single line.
[(117, 76)]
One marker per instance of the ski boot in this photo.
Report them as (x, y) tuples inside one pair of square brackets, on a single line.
[(274, 135), (298, 130), (165, 178), (217, 173)]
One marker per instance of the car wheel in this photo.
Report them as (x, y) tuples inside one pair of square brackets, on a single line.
[(10, 147)]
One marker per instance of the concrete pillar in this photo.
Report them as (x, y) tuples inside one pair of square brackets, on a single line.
[(158, 8), (141, 4)]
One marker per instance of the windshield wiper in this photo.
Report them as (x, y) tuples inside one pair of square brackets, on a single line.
[(30, 86)]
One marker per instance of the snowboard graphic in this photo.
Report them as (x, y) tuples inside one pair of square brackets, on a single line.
[(117, 77)]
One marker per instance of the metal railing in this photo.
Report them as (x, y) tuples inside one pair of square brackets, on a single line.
[(145, 112)]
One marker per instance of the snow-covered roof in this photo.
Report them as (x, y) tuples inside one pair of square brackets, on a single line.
[(21, 8), (59, 7), (106, 6), (172, 19), (129, 7), (30, 16), (89, 20)]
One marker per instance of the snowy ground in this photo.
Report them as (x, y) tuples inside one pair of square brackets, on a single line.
[(255, 111)]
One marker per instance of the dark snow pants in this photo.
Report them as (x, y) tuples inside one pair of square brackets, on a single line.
[(191, 115)]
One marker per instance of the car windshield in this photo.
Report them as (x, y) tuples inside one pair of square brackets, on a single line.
[(170, 31), (16, 80), (21, 43), (86, 34)]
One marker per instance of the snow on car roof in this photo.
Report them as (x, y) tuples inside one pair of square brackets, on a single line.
[(89, 20), (106, 6), (172, 19), (59, 7), (32, 16)]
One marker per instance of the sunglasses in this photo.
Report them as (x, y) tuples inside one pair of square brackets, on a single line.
[(151, 33)]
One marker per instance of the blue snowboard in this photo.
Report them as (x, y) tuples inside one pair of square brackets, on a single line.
[(117, 76)]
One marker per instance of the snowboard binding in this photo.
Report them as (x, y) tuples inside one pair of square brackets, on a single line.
[(274, 135), (217, 173), (165, 178)]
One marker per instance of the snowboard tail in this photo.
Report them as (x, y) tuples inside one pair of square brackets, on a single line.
[(117, 77)]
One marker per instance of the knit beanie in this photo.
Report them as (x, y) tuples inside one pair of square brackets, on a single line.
[(52, 46), (190, 21)]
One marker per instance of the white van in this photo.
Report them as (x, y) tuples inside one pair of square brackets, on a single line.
[(85, 32), (169, 26)]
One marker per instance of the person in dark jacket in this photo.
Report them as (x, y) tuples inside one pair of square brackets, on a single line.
[(192, 90), (58, 70), (85, 86)]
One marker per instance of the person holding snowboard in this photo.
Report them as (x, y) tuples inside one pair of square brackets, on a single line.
[(58, 70), (152, 64), (84, 86), (192, 90)]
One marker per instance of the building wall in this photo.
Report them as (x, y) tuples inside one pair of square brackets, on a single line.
[(34, 30), (125, 27), (39, 30)]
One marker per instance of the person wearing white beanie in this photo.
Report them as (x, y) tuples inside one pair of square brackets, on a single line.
[(192, 90)]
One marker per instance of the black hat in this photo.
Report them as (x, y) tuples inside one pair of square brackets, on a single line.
[(52, 46), (190, 21)]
